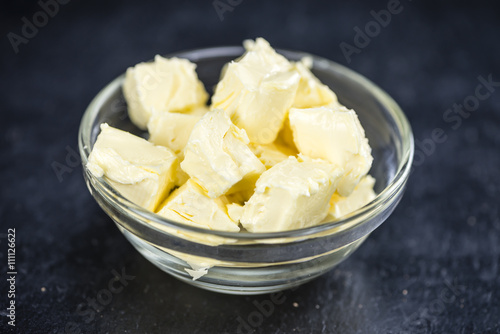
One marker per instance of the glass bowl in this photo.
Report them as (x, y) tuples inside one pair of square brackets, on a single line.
[(254, 263)]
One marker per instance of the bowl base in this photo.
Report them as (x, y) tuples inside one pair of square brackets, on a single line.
[(244, 280)]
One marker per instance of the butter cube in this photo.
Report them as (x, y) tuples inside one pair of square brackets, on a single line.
[(361, 195), (335, 134), (242, 196), (257, 90), (140, 171), (311, 92), (290, 195), (235, 211), (271, 154), (172, 130), (217, 156), (163, 85), (285, 138), (191, 205)]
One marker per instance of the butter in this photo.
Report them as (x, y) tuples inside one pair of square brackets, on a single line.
[(285, 137), (172, 130), (235, 211), (242, 196), (363, 194), (163, 85), (191, 205), (217, 156), (290, 195), (311, 92), (275, 151), (335, 134), (197, 271), (181, 177), (140, 171), (257, 90), (271, 154)]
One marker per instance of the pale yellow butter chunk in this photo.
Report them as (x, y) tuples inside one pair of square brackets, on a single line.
[(360, 196), (311, 92), (285, 138), (172, 130), (191, 205), (290, 195), (140, 171), (180, 177), (217, 157), (257, 90), (335, 134), (162, 85), (235, 211), (241, 196), (271, 154)]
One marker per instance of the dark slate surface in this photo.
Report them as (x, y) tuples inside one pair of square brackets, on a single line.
[(433, 267)]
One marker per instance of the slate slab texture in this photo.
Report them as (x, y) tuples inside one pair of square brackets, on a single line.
[(432, 267)]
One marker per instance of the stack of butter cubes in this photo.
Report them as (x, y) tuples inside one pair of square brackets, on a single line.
[(273, 151)]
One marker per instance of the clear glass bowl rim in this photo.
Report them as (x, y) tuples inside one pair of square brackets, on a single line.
[(378, 205)]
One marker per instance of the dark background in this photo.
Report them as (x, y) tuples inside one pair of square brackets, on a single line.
[(433, 267)]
